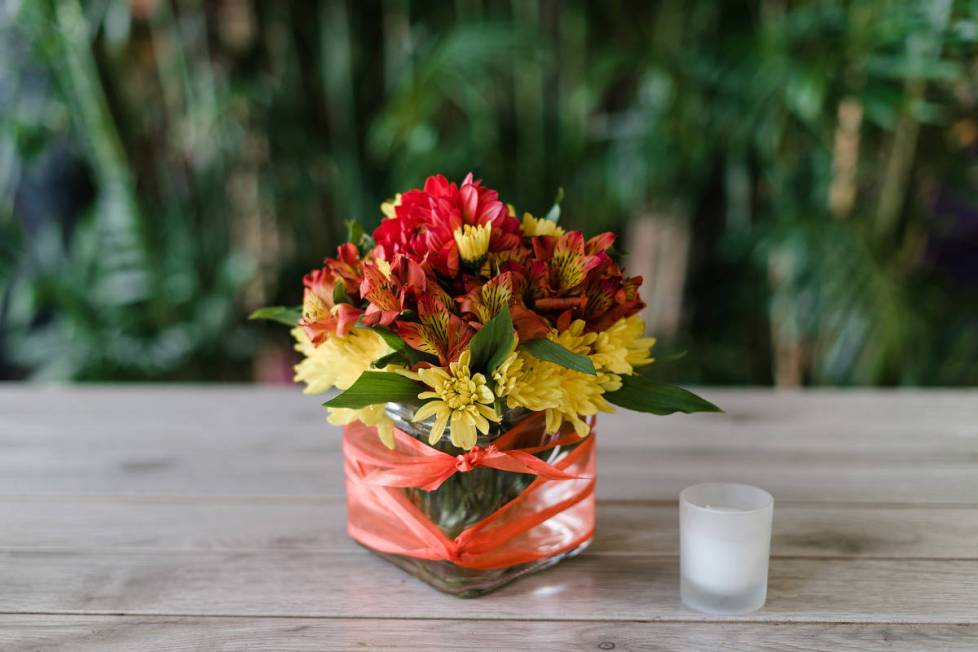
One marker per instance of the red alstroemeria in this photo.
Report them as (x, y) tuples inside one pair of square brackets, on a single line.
[(625, 304), (610, 296), (440, 332), (321, 315), (558, 271), (483, 302), (348, 266), (388, 287)]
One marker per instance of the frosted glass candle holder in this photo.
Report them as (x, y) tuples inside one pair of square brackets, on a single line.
[(725, 542)]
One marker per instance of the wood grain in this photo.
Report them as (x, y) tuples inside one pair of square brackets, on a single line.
[(357, 584), (156, 634), (919, 447), (211, 517), (800, 530)]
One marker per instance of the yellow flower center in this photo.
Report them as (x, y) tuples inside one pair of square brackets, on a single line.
[(472, 241), (461, 391)]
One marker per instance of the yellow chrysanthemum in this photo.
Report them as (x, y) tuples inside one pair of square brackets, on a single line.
[(387, 208), (338, 362), (461, 397), (621, 348), (536, 226), (564, 394), (372, 415), (583, 393), (583, 397), (472, 241), (526, 382)]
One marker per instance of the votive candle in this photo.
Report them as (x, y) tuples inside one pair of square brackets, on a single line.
[(725, 541)]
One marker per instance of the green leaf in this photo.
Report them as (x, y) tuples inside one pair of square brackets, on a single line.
[(652, 369), (374, 387), (493, 342), (356, 235), (553, 352), (354, 232), (281, 314), (406, 357), (393, 340), (340, 295), (643, 395), (553, 214), (394, 357)]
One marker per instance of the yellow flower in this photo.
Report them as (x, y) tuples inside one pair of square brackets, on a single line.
[(461, 397), (338, 362), (583, 393), (387, 208), (527, 382), (583, 397), (472, 241), (536, 226), (564, 394), (372, 415), (621, 348)]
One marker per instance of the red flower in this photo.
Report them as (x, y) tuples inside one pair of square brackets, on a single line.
[(348, 266), (321, 315), (389, 287), (426, 220), (440, 332), (483, 302)]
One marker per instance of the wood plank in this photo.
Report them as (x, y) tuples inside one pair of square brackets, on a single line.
[(920, 421), (622, 475), (814, 446), (357, 584), (132, 634), (318, 525)]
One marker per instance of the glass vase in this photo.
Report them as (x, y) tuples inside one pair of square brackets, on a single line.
[(465, 499)]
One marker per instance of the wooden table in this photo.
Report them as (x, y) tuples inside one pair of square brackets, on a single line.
[(150, 518)]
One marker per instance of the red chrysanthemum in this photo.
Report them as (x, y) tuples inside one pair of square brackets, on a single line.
[(425, 221)]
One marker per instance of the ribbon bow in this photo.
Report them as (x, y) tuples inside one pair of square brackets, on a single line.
[(415, 464)]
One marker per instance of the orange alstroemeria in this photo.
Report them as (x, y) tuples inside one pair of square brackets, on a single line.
[(389, 286), (321, 315), (483, 302), (440, 332)]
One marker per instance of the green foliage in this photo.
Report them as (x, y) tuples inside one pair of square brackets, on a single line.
[(553, 352), (280, 314), (374, 387), (226, 150), (643, 395), (493, 342)]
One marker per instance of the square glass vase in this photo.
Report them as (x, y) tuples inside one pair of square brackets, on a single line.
[(467, 498)]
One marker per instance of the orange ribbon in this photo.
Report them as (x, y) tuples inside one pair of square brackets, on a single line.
[(555, 513)]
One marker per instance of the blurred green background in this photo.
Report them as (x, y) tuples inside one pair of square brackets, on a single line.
[(797, 181)]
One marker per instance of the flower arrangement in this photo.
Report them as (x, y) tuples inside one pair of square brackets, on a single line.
[(457, 304), (467, 353)]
